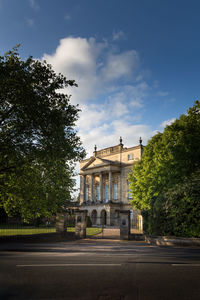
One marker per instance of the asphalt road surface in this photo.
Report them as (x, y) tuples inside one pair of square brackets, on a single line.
[(99, 269)]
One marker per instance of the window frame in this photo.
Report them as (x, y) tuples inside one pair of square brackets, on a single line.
[(97, 192), (106, 193), (115, 191), (130, 156)]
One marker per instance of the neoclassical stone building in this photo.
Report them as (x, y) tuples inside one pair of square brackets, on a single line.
[(104, 186)]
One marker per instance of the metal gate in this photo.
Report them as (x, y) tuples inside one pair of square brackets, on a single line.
[(108, 228), (103, 228)]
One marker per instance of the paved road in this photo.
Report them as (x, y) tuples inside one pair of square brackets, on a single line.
[(99, 269)]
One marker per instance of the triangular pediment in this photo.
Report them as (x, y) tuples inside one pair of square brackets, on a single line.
[(98, 162)]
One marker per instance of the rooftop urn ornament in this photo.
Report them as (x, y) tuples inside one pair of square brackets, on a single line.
[(140, 141), (95, 150), (120, 142)]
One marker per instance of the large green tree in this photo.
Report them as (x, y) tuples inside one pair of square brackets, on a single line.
[(162, 183), (38, 141)]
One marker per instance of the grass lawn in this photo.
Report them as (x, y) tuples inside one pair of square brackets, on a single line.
[(25, 231), (38, 230), (93, 231)]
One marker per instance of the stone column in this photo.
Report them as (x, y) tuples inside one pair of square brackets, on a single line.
[(80, 227), (110, 186), (83, 187), (98, 217), (61, 221), (100, 187), (91, 185)]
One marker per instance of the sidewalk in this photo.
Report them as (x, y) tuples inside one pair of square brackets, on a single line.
[(172, 241)]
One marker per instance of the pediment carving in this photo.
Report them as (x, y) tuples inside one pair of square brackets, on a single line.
[(98, 162)]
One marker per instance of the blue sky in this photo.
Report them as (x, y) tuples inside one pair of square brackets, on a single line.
[(136, 62)]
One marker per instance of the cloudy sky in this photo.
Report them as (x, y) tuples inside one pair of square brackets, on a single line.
[(136, 62)]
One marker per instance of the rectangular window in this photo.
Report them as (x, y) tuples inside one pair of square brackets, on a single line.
[(115, 194), (130, 156), (106, 193), (97, 192), (129, 191)]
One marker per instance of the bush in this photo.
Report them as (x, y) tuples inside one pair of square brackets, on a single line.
[(88, 222)]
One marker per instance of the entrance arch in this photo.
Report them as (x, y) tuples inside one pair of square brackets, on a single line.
[(103, 217), (94, 217)]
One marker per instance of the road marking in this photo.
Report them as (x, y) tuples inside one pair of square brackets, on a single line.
[(186, 265), (69, 265)]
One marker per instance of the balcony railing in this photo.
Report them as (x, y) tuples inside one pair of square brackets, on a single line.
[(97, 202)]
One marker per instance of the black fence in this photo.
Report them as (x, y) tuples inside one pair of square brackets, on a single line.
[(16, 227)]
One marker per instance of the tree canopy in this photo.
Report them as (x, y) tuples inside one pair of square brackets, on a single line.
[(165, 184), (38, 141)]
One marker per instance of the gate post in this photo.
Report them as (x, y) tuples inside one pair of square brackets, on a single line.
[(124, 224), (80, 227), (61, 223)]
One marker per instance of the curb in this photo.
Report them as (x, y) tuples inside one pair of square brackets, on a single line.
[(137, 237), (172, 241)]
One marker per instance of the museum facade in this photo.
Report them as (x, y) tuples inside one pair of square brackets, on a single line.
[(104, 186)]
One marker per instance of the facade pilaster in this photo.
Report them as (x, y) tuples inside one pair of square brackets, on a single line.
[(100, 187), (84, 179), (91, 187), (110, 185)]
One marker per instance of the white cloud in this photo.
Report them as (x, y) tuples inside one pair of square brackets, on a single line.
[(112, 89), (137, 94), (34, 4), (131, 133), (120, 65), (162, 94), (117, 35), (167, 122), (91, 116), (104, 124), (30, 22), (120, 109), (110, 97), (94, 67), (108, 135), (73, 56), (77, 58), (155, 84)]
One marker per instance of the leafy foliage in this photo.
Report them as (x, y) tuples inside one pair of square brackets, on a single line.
[(88, 222), (165, 183), (38, 142)]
